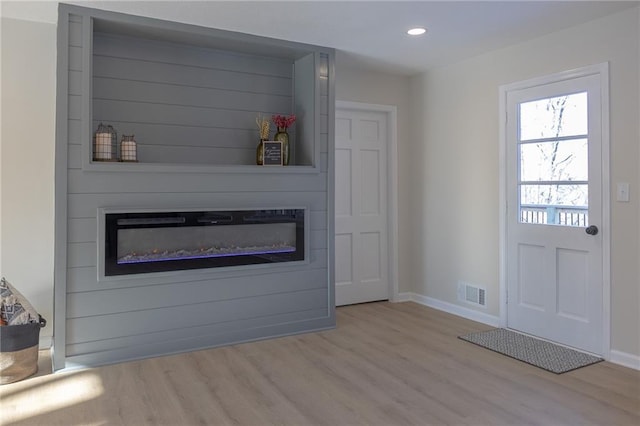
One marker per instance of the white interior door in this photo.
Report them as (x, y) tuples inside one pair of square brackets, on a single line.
[(362, 270), (554, 253)]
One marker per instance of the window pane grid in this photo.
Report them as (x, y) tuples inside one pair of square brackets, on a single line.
[(554, 117), (553, 182), (553, 161), (558, 139)]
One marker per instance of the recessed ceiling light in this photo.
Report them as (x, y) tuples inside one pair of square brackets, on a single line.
[(416, 31)]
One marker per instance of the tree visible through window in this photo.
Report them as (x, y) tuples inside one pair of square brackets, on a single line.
[(553, 152)]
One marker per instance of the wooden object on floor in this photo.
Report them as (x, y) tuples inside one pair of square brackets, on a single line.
[(386, 364)]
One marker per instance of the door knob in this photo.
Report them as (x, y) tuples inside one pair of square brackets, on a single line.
[(591, 230)]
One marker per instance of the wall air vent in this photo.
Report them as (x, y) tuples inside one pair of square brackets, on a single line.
[(472, 294)]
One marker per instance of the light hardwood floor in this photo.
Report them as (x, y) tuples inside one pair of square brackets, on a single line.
[(385, 364)]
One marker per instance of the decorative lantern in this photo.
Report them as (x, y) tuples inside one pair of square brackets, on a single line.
[(105, 144), (128, 149)]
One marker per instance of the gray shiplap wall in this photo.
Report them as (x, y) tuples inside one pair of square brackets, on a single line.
[(188, 105)]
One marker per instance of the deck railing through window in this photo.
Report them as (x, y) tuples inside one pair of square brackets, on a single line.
[(554, 215)]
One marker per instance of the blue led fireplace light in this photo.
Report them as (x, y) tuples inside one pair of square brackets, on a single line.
[(203, 256)]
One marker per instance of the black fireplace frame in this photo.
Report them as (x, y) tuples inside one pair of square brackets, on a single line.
[(112, 221)]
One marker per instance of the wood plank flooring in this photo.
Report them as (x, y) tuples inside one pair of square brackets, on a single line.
[(385, 364)]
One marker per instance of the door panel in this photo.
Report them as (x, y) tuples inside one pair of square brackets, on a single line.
[(361, 206), (344, 261), (370, 182), (371, 251), (554, 191), (343, 175), (531, 274), (572, 284)]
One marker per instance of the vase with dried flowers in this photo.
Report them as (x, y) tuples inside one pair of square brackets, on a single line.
[(282, 123), (263, 129)]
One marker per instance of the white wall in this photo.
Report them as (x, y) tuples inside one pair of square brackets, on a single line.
[(455, 169), (26, 165), (357, 85)]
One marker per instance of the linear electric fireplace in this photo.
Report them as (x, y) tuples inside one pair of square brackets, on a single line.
[(138, 243)]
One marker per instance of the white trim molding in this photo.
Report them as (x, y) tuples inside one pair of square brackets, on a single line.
[(45, 342), (405, 297), (450, 308), (625, 359), (392, 184)]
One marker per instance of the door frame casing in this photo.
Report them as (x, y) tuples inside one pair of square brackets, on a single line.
[(391, 112), (602, 70)]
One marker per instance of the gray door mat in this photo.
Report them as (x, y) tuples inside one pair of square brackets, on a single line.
[(540, 353)]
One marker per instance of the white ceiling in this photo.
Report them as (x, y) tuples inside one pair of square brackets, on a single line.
[(373, 33)]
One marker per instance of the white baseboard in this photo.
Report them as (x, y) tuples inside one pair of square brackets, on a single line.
[(625, 359), (450, 308), (616, 357), (45, 342), (404, 297)]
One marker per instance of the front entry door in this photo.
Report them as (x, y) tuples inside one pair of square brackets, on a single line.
[(554, 254), (362, 271)]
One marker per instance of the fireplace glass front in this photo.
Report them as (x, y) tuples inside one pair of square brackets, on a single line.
[(168, 241)]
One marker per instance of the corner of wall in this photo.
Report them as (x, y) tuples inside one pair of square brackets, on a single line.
[(450, 308)]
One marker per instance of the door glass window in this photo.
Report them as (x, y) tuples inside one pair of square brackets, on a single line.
[(553, 161)]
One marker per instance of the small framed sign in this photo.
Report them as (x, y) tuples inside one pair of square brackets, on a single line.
[(272, 153)]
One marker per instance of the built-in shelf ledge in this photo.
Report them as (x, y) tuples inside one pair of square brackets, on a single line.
[(195, 168)]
